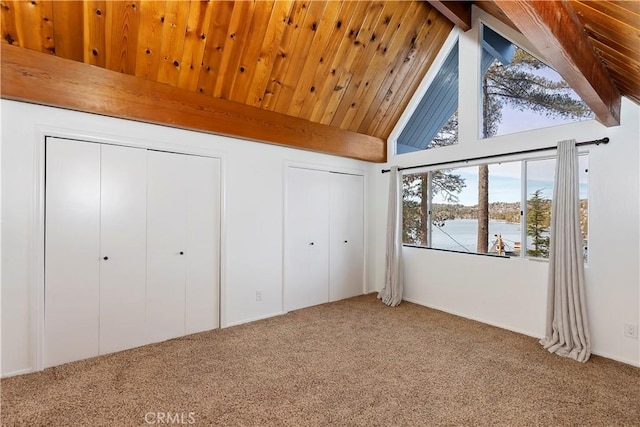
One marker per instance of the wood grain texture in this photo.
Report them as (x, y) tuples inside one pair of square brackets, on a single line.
[(351, 47), (399, 87), (149, 42), (68, 18), (613, 29), (174, 25), (269, 51), (404, 42), (285, 52), (24, 72), (492, 9), (195, 42), (95, 47), (553, 28), (122, 35), (248, 61), (212, 57), (323, 29), (458, 12), (9, 23), (237, 36), (293, 67)]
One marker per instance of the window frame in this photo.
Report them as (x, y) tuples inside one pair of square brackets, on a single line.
[(523, 202), (520, 43)]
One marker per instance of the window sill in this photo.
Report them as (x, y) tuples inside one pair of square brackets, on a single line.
[(456, 252)]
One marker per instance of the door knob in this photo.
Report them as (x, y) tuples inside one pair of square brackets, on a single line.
[(311, 243), (345, 241), (105, 258), (181, 253)]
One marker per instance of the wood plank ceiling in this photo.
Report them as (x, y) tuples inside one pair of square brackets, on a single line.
[(352, 65), (613, 28)]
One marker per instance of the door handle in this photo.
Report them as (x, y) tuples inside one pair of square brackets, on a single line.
[(311, 244), (345, 241), (105, 258), (181, 253)]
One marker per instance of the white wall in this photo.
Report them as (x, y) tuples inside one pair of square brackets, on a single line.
[(511, 293), (253, 186)]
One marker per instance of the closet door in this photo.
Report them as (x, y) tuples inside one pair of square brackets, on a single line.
[(166, 245), (347, 236), (72, 251), (123, 242), (306, 238), (202, 244)]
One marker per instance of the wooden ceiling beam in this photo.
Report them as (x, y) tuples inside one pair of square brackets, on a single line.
[(554, 30), (458, 12), (49, 80)]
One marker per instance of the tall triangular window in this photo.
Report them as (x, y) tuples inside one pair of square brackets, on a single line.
[(434, 123), (520, 92)]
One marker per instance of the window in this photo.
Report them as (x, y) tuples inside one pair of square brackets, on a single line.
[(486, 209), (520, 92), (434, 123)]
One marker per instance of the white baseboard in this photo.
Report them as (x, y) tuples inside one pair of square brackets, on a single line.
[(20, 372), (252, 319), (635, 363), (477, 319)]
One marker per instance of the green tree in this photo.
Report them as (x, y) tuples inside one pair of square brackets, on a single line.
[(538, 221), (415, 208)]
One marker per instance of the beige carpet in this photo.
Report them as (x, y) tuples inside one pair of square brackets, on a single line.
[(353, 362)]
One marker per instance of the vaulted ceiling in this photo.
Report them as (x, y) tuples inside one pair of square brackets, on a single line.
[(346, 65)]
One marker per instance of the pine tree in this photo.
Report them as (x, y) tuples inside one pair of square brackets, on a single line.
[(538, 221)]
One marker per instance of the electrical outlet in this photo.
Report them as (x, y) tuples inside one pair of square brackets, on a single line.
[(631, 330), (258, 295)]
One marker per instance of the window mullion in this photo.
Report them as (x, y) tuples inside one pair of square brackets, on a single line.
[(429, 200), (523, 209)]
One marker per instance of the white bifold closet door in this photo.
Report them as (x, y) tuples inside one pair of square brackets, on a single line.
[(347, 236), (72, 251), (324, 237), (166, 245), (131, 248), (203, 244), (182, 250), (307, 238), (123, 247), (95, 250)]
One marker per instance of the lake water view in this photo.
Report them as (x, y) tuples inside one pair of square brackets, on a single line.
[(462, 234)]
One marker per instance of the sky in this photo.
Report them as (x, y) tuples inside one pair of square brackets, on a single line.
[(505, 181), (514, 120)]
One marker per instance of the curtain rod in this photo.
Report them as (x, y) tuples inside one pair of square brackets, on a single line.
[(493, 156)]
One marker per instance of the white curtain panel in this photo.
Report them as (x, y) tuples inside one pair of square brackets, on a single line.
[(391, 294), (567, 332)]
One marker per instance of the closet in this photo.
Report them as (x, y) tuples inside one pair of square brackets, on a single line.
[(131, 247), (324, 237)]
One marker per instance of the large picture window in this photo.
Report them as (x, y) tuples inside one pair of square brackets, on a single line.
[(486, 209)]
